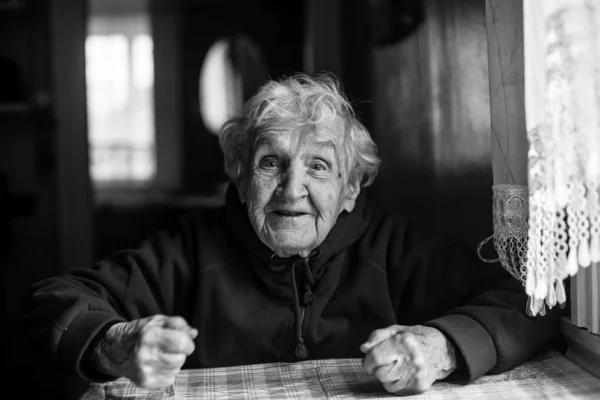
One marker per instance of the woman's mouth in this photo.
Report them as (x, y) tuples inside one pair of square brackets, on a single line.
[(283, 213)]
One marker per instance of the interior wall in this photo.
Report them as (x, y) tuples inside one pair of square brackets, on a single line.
[(28, 204), (428, 110)]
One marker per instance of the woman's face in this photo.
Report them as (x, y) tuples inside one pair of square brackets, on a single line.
[(296, 189)]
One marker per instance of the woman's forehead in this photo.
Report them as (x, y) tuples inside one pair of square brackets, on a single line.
[(307, 135)]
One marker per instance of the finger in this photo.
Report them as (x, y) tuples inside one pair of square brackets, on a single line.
[(404, 373), (162, 371), (421, 382), (379, 335), (401, 369), (403, 388), (193, 332), (384, 373), (159, 364), (177, 323), (171, 341), (412, 349), (180, 324), (172, 360), (378, 357), (151, 380), (399, 386), (396, 387), (410, 379)]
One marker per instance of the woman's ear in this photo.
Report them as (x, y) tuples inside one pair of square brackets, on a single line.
[(351, 194)]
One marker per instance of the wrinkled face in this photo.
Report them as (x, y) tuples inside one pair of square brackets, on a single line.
[(296, 189)]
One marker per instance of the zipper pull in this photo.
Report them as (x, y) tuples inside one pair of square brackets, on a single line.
[(301, 350)]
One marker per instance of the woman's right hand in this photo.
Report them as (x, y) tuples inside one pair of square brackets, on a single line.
[(149, 351)]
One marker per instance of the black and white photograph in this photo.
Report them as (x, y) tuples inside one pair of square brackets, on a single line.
[(300, 199)]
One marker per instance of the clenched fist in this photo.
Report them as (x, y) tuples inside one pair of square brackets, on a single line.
[(149, 351), (408, 359)]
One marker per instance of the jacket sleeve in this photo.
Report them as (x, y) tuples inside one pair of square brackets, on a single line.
[(63, 315), (480, 307)]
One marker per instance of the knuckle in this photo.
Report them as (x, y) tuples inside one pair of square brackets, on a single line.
[(409, 339), (168, 342), (157, 318), (177, 345), (418, 361), (149, 322), (147, 332), (177, 320), (399, 341), (413, 342), (410, 344)]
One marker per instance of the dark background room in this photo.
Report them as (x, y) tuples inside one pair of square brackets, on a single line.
[(108, 112)]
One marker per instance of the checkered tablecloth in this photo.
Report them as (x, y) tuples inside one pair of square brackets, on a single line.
[(546, 376)]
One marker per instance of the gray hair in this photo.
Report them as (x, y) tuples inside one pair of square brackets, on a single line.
[(299, 100)]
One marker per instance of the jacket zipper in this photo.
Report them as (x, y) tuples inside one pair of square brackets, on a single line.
[(302, 312)]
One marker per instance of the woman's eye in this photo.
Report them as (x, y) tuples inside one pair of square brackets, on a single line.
[(319, 166), (269, 163)]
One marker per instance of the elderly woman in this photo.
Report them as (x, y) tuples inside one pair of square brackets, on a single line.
[(297, 264)]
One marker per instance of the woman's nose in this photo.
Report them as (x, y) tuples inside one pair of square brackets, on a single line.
[(293, 185)]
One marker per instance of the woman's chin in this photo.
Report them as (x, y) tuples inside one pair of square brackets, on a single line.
[(291, 247)]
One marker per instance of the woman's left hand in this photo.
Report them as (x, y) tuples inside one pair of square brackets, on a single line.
[(408, 359)]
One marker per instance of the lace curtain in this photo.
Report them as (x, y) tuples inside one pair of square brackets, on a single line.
[(546, 159), (562, 76)]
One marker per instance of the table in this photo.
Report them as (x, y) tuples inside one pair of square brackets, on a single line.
[(548, 375)]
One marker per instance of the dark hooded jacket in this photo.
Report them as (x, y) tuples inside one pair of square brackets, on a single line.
[(249, 306)]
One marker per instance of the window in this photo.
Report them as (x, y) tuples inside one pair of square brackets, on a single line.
[(120, 83)]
